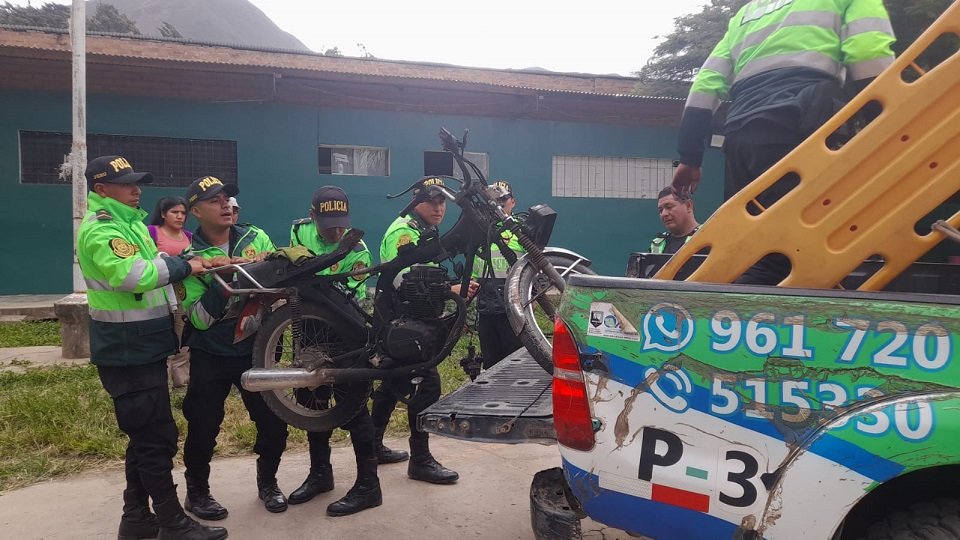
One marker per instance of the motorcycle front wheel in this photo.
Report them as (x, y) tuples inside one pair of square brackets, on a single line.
[(313, 409), (539, 301)]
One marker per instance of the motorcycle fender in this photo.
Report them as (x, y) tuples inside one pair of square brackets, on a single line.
[(511, 291), (249, 319)]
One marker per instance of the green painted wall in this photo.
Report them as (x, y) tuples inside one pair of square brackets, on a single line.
[(277, 153)]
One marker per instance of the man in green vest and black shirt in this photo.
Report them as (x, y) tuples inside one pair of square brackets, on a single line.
[(405, 230), (676, 213), (216, 362), (131, 336), (782, 63), (321, 233), (497, 339)]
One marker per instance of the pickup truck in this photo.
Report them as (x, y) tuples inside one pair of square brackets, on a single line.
[(689, 410), (825, 408)]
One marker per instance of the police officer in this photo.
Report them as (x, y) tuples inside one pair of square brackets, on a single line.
[(216, 362), (782, 64), (131, 335), (321, 233), (405, 230), (497, 339), (676, 213)]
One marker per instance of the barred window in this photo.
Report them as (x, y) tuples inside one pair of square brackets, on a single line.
[(610, 177), (174, 162), (353, 160)]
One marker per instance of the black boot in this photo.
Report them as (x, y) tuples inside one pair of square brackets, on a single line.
[(318, 481), (365, 492), (200, 503), (138, 523), (137, 520), (424, 467), (268, 490), (175, 525), (386, 455)]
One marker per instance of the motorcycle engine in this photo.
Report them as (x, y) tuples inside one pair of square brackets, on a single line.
[(419, 333)]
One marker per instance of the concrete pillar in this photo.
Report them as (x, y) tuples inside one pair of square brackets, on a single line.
[(74, 325)]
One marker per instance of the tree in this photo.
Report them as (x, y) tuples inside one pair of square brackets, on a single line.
[(108, 19), (168, 30), (333, 52), (677, 59), (46, 16)]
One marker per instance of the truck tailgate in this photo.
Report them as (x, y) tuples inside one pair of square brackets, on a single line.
[(509, 403)]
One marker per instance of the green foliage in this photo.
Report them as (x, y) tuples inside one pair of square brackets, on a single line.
[(106, 18), (30, 334), (169, 31), (59, 421), (678, 58), (46, 16)]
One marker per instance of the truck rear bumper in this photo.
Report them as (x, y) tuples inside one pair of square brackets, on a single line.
[(554, 512)]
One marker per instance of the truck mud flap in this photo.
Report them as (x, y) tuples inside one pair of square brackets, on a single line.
[(509, 403), (554, 514)]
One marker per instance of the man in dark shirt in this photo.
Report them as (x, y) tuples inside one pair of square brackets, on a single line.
[(676, 213)]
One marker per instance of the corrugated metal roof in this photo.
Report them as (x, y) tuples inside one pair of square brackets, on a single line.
[(160, 49)]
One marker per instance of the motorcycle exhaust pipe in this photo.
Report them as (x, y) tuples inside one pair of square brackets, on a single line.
[(261, 380)]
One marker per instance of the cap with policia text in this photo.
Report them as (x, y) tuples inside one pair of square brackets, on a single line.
[(330, 208), (502, 184), (207, 187), (114, 170), (432, 186)]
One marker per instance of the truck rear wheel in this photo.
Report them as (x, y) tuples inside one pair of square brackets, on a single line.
[(927, 520)]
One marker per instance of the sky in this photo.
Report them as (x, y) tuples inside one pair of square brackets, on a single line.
[(594, 36), (586, 36)]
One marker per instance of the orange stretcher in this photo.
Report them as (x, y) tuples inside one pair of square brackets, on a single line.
[(859, 201)]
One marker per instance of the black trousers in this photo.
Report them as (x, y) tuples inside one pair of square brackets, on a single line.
[(211, 377), (141, 402), (361, 436), (750, 151), (425, 394), (497, 339)]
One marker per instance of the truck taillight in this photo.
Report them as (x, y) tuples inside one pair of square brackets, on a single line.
[(571, 408)]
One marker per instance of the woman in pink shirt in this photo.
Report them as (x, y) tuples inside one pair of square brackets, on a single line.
[(166, 229), (166, 226)]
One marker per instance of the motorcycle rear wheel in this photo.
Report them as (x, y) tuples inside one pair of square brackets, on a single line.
[(538, 297), (318, 409)]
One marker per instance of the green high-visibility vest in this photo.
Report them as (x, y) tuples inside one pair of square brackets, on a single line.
[(824, 35), (126, 277), (304, 233), (204, 300)]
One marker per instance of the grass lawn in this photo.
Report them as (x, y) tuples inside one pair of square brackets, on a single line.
[(59, 421)]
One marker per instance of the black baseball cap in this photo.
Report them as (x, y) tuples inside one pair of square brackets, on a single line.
[(432, 186), (330, 208), (209, 186), (114, 170)]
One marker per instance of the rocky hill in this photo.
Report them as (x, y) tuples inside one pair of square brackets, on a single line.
[(221, 21)]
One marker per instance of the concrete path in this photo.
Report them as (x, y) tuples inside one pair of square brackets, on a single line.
[(28, 307), (18, 359), (491, 500)]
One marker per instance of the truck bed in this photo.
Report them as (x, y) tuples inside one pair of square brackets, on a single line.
[(509, 403)]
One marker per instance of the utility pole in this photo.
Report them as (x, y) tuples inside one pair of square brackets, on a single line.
[(72, 310), (78, 150)]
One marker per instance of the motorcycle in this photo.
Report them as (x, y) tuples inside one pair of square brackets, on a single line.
[(317, 351)]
